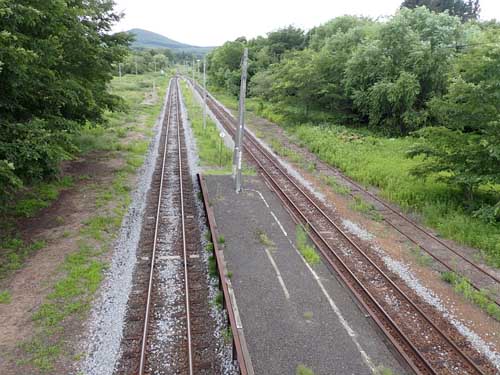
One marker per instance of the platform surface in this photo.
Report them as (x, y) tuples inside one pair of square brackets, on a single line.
[(292, 314)]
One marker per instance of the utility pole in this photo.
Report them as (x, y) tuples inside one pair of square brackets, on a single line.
[(193, 72), (198, 69), (120, 70), (136, 66), (238, 152), (204, 93)]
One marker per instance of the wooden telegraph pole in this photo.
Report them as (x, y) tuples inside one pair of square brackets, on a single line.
[(237, 157)]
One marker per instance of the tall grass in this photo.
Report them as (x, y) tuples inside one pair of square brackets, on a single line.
[(382, 162), (208, 141), (375, 160)]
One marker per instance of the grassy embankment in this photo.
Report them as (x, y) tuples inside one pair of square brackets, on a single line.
[(374, 160), (213, 155), (126, 138)]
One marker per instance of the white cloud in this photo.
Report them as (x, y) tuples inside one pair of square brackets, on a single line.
[(208, 23)]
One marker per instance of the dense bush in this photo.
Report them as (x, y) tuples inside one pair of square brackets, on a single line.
[(56, 59), (432, 72)]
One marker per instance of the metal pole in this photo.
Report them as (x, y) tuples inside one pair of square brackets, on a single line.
[(198, 69), (120, 70), (204, 93), (220, 152), (241, 123), (136, 66), (193, 72)]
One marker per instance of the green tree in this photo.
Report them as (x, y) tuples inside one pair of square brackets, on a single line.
[(56, 58), (465, 9), (224, 66), (296, 80), (464, 149), (285, 39), (393, 75)]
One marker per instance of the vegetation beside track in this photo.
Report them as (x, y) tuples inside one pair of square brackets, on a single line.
[(481, 298), (375, 160), (212, 152), (125, 138), (408, 104)]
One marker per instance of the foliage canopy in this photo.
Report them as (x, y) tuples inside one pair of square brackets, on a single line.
[(56, 58)]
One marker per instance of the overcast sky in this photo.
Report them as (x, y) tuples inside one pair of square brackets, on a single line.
[(212, 22)]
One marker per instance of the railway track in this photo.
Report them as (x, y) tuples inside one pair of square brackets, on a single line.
[(445, 256), (427, 341), (169, 324)]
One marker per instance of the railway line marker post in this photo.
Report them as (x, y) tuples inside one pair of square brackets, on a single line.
[(204, 93), (237, 157)]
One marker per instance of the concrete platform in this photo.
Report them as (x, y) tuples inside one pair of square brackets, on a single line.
[(292, 314)]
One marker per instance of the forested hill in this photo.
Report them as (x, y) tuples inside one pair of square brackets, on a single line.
[(149, 39)]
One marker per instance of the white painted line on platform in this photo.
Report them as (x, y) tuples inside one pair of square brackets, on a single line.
[(336, 310), (261, 196), (272, 213), (278, 274), (279, 223)]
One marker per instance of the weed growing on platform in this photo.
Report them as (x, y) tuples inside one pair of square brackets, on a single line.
[(307, 251), (480, 298), (265, 240), (382, 370), (222, 239), (303, 370)]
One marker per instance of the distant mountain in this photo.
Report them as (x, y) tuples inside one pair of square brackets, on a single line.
[(148, 39)]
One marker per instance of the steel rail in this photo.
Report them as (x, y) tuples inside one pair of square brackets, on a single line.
[(416, 226), (172, 111), (259, 147), (184, 247), (155, 238)]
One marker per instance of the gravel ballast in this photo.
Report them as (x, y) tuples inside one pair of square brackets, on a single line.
[(101, 341)]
